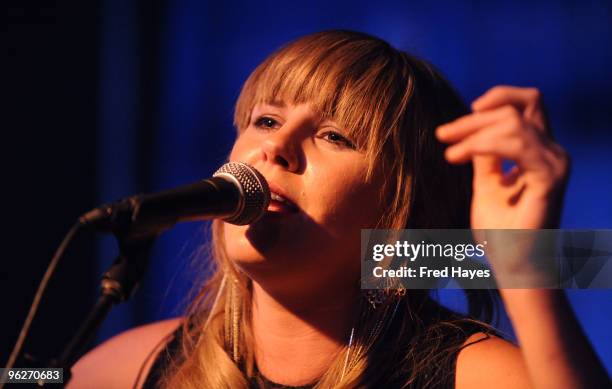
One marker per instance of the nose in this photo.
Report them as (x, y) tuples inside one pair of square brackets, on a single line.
[(282, 148)]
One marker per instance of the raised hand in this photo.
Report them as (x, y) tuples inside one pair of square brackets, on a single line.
[(509, 123)]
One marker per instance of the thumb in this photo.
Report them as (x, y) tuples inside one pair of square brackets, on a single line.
[(486, 166)]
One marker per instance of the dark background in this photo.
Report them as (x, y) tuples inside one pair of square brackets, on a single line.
[(107, 99)]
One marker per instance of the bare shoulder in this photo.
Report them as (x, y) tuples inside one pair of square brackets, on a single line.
[(117, 362), (489, 361)]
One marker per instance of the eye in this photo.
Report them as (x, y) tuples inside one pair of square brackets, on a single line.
[(337, 139), (266, 123)]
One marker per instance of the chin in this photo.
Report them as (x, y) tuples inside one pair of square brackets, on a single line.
[(254, 243), (244, 254), (248, 258)]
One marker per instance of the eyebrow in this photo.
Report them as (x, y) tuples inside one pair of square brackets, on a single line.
[(325, 121), (262, 106), (330, 122), (276, 103)]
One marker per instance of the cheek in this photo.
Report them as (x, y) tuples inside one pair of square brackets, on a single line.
[(243, 149), (347, 201), (237, 150)]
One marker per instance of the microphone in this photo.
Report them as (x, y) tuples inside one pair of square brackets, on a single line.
[(237, 193)]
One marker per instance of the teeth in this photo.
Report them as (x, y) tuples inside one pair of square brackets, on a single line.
[(276, 197)]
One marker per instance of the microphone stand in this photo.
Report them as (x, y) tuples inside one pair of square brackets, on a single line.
[(117, 285), (237, 192)]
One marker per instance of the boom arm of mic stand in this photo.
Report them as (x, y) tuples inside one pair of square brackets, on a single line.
[(117, 285)]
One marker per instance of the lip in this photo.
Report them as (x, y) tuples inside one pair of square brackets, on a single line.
[(287, 206)]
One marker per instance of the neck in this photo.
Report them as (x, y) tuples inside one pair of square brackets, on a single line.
[(296, 339)]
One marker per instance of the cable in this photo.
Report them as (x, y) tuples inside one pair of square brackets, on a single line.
[(37, 298)]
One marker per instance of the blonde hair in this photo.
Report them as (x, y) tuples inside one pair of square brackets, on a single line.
[(390, 103)]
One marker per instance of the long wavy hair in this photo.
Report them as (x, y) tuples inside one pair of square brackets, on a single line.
[(390, 103)]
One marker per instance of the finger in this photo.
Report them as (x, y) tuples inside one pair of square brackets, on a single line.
[(468, 124), (504, 94), (502, 141), (487, 165), (527, 100)]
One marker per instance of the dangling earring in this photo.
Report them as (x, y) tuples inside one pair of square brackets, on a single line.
[(374, 298), (378, 297), (232, 319)]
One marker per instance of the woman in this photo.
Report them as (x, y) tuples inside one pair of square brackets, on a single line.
[(351, 133)]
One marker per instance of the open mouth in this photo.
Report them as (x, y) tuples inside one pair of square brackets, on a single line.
[(280, 204)]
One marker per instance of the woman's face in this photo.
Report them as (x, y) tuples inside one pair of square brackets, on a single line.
[(310, 235)]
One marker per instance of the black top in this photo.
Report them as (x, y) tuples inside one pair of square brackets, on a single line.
[(443, 369)]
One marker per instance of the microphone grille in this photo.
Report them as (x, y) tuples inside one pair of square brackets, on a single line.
[(254, 191)]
